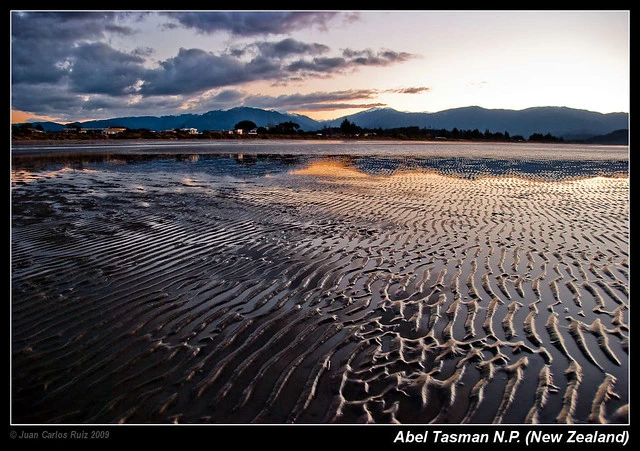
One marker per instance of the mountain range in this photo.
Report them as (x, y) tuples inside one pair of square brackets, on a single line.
[(564, 122)]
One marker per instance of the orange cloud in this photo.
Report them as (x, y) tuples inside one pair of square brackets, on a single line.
[(18, 117)]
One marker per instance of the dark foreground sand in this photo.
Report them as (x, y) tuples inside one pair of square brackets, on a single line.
[(321, 293)]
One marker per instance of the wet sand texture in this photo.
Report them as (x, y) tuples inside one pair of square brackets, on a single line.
[(318, 295)]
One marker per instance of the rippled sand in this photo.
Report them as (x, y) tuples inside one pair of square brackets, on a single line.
[(329, 292)]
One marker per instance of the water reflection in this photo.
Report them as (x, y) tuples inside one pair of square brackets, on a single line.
[(331, 168), (245, 165)]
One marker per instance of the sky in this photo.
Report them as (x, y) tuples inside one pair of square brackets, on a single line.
[(71, 66)]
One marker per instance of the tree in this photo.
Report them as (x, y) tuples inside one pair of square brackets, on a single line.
[(539, 137), (349, 128), (245, 125), (285, 128)]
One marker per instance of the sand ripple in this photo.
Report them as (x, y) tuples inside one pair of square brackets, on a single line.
[(328, 292)]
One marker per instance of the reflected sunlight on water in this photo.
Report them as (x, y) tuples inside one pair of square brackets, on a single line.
[(330, 168), (26, 176)]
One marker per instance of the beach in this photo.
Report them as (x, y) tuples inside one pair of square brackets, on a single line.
[(295, 284)]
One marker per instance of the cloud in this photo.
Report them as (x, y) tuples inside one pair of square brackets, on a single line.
[(44, 99), (410, 90), (41, 41), (381, 58), (326, 101), (318, 65), (288, 47), (297, 100), (337, 106), (67, 26), (97, 68), (225, 99), (196, 70), (143, 52), (48, 101), (85, 63), (350, 60), (44, 43), (192, 71), (254, 23)]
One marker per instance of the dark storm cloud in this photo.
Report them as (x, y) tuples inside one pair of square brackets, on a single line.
[(45, 99), (61, 64), (38, 63), (253, 23), (192, 71), (43, 43), (99, 69), (65, 26)]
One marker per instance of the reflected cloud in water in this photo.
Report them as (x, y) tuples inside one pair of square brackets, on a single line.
[(243, 165)]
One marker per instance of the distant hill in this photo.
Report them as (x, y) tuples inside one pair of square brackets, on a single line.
[(568, 123), (563, 122), (49, 126), (618, 137), (211, 120)]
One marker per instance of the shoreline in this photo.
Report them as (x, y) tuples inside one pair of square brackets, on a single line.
[(97, 142), (115, 143)]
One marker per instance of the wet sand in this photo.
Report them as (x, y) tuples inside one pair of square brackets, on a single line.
[(331, 290)]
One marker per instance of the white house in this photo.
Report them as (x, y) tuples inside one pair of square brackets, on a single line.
[(113, 130)]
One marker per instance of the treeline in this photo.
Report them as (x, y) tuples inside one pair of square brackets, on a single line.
[(346, 130)]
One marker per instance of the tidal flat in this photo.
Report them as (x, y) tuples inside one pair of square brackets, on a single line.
[(348, 283)]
